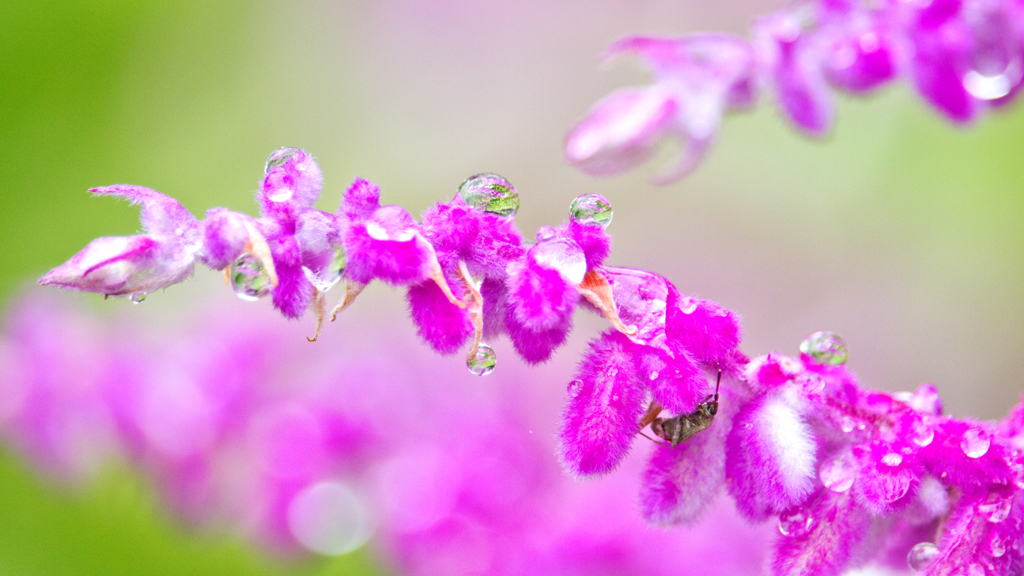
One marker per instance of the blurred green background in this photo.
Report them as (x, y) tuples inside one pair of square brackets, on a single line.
[(899, 231)]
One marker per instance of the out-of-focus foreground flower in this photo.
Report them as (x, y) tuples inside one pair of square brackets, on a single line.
[(962, 56), (242, 424)]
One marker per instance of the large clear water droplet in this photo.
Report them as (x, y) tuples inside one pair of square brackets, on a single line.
[(892, 459), (795, 522), (137, 297), (825, 348), (330, 272), (482, 363), (563, 255), (278, 157), (490, 193), (975, 443), (591, 209), (996, 508), (921, 555), (923, 434), (249, 278), (837, 474)]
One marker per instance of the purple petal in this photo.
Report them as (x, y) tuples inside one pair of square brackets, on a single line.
[(592, 238), (535, 346), (860, 59), (120, 265), (387, 246), (770, 458), (443, 325), (604, 409), (674, 381), (938, 66), (294, 183), (796, 73), (706, 330), (360, 200), (621, 131), (225, 235), (162, 217), (294, 291), (539, 297)]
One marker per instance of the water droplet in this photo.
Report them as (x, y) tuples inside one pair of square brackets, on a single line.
[(329, 273), (490, 193), (846, 423), (975, 570), (574, 388), (975, 443), (278, 157), (990, 87), (996, 508), (687, 305), (795, 522), (482, 363), (248, 278), (921, 555), (997, 546), (563, 255), (329, 518), (837, 474), (923, 434), (137, 297), (545, 233), (892, 459), (654, 375), (591, 209), (825, 348)]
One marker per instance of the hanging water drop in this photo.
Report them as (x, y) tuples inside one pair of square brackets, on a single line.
[(825, 348), (249, 278), (591, 209), (278, 158), (837, 474), (329, 272), (490, 193), (997, 546), (563, 255), (137, 297), (482, 363), (795, 522), (975, 443), (921, 555)]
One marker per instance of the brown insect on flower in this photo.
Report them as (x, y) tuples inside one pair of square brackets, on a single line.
[(680, 428)]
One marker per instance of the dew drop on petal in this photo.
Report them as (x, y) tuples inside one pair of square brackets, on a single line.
[(996, 508), (825, 348), (574, 388), (921, 555), (328, 274), (976, 570), (278, 157), (892, 459), (591, 209), (795, 522), (137, 297), (923, 434), (846, 424), (563, 255), (490, 193), (482, 363), (249, 279), (545, 233), (997, 546), (975, 443), (329, 518), (837, 474)]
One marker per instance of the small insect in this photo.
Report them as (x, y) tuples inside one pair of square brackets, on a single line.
[(679, 429)]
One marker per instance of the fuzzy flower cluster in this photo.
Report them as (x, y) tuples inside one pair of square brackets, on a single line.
[(962, 56)]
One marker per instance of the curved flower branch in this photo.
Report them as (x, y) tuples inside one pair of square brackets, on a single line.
[(962, 56)]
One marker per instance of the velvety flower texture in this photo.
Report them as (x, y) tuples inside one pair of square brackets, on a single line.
[(962, 56)]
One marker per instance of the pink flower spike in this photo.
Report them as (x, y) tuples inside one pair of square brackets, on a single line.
[(604, 409)]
